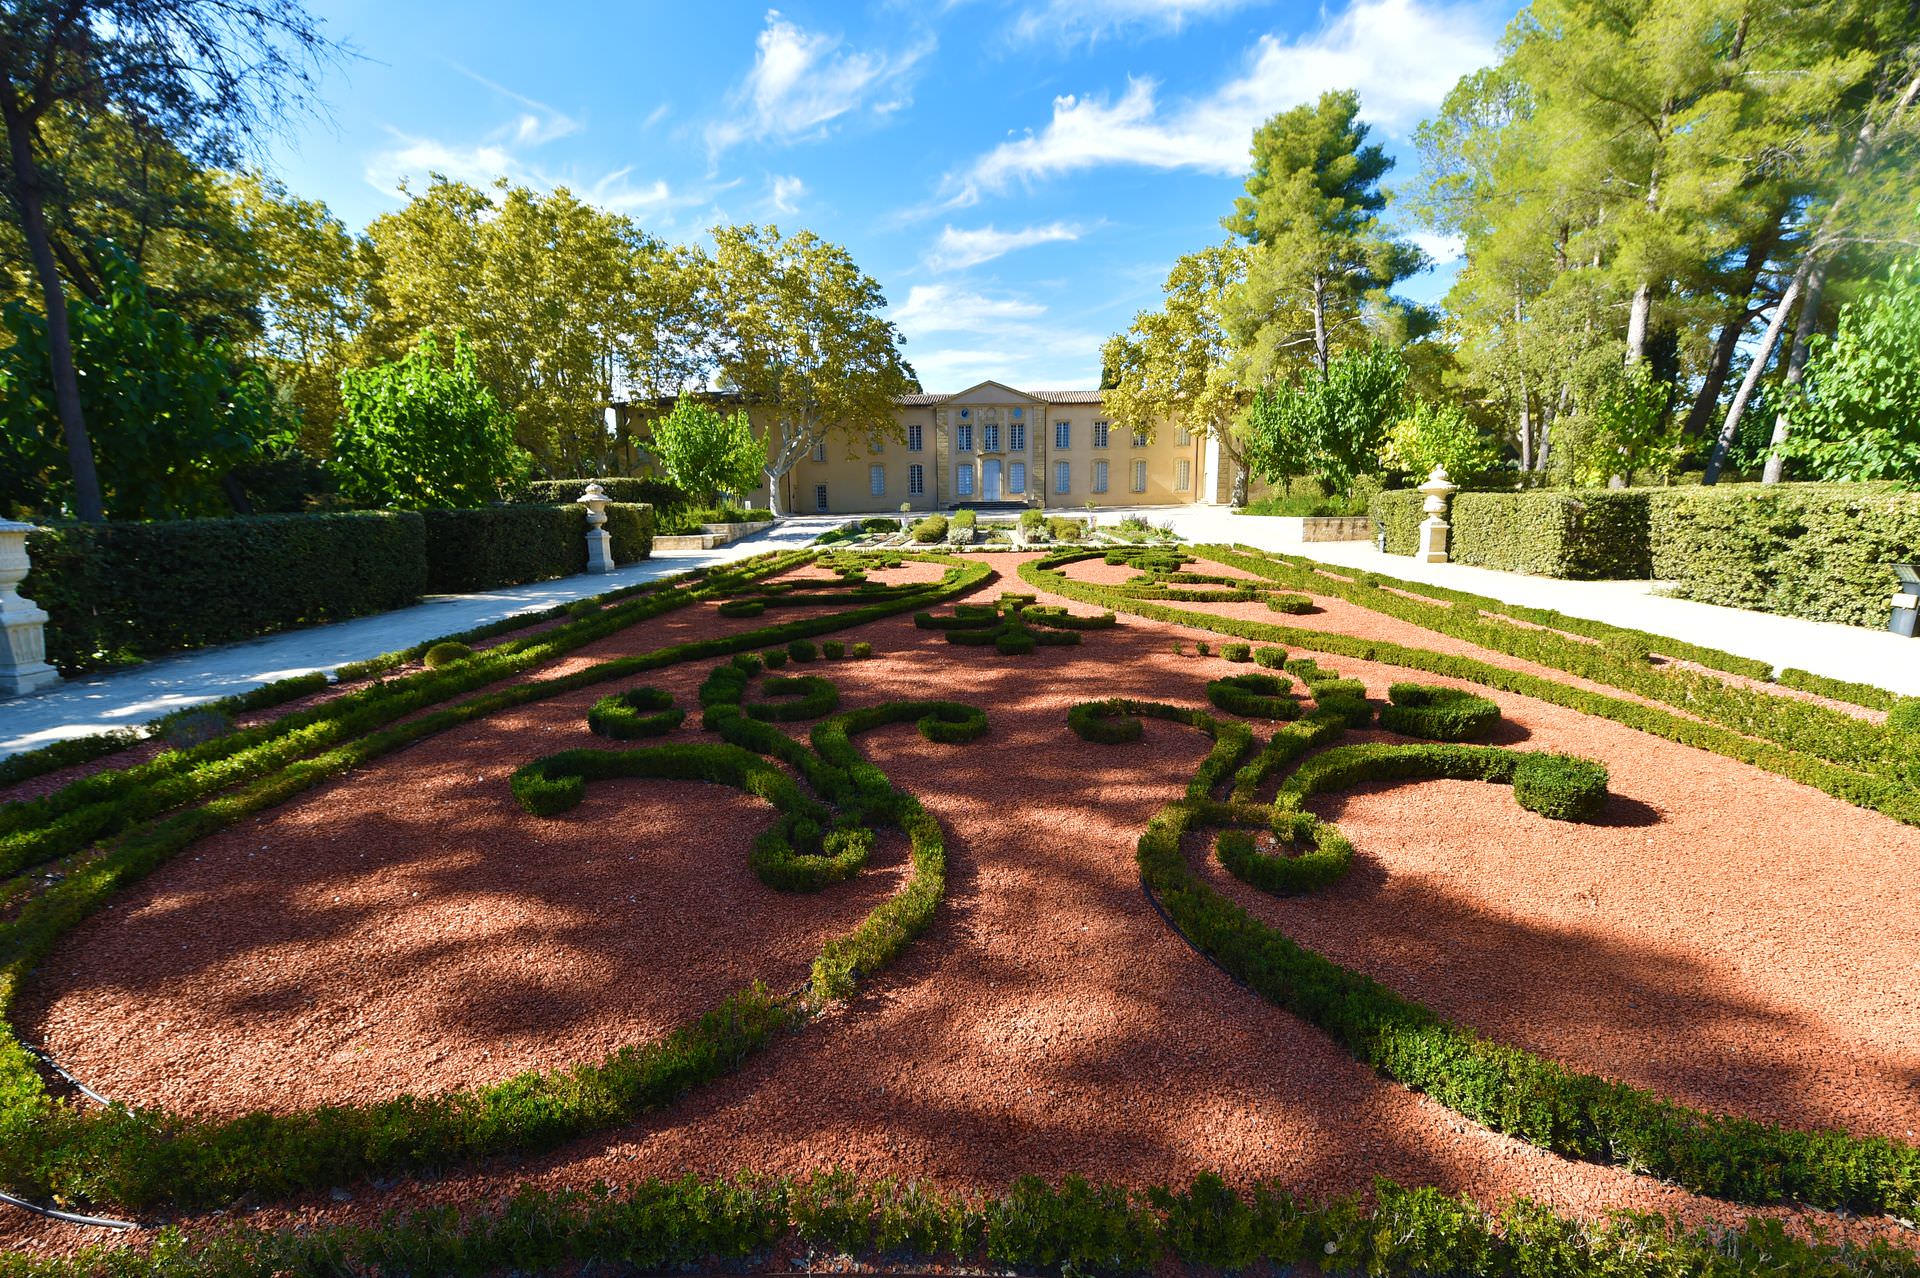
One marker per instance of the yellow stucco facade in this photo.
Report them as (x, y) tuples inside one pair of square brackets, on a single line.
[(994, 443)]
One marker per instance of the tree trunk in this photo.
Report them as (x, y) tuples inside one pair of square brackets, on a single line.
[(1320, 356), (1803, 330), (1730, 429), (1637, 323), (1728, 343), (66, 385)]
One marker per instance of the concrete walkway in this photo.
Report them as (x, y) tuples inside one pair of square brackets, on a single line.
[(1840, 652), (128, 698)]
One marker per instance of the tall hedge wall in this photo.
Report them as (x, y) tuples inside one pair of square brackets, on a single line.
[(120, 591), (657, 493), (1398, 514), (1802, 550), (507, 545), (1586, 535)]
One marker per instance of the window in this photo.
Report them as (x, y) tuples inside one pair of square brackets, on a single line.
[(1099, 434), (916, 480), (990, 433), (1017, 436), (963, 437), (1062, 477), (1017, 477), (1063, 436), (1182, 475), (1139, 477), (1099, 477), (1182, 438), (819, 496), (820, 454), (963, 481), (877, 480), (913, 438), (1139, 439)]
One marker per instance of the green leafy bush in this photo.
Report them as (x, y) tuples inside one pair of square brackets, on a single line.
[(445, 654), (1270, 657), (931, 529), (774, 658), (507, 545), (1237, 651), (420, 433), (1436, 713), (1904, 716), (795, 697), (745, 607), (833, 649), (862, 650), (115, 591), (802, 650)]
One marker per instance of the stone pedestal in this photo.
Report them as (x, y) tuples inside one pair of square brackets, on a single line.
[(599, 549), (23, 626), (1434, 529)]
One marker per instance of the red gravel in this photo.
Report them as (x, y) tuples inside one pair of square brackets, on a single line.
[(1708, 942)]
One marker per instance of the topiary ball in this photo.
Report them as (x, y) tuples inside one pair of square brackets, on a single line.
[(445, 654)]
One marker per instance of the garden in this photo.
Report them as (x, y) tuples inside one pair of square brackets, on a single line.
[(1088, 907)]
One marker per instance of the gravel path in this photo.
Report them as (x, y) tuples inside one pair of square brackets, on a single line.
[(1707, 941)]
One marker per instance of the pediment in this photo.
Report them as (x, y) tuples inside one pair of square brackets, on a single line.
[(989, 393)]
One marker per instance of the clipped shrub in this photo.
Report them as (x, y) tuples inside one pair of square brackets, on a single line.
[(833, 649), (1437, 713), (802, 650), (931, 529), (748, 663), (1566, 789), (1237, 651), (746, 607), (1255, 696), (796, 697), (635, 713), (445, 654), (862, 650), (774, 658), (185, 729), (583, 607), (1269, 656), (1310, 854), (1201, 648), (1905, 715), (1292, 605)]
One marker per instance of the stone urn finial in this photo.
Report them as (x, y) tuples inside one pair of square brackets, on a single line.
[(23, 626), (599, 541), (1434, 528)]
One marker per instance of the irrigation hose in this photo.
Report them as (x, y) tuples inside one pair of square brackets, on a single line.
[(70, 1217)]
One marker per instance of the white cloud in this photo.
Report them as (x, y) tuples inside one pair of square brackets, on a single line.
[(1441, 248), (1075, 20), (1013, 340), (802, 81), (956, 250), (942, 308), (787, 193), (1401, 55)]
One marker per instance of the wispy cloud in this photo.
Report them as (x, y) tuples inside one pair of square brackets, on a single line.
[(785, 193), (1010, 339), (1401, 55), (1441, 248), (803, 81), (956, 249), (1072, 21), (539, 123)]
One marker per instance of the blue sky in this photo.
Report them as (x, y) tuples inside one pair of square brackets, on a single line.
[(1017, 174)]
